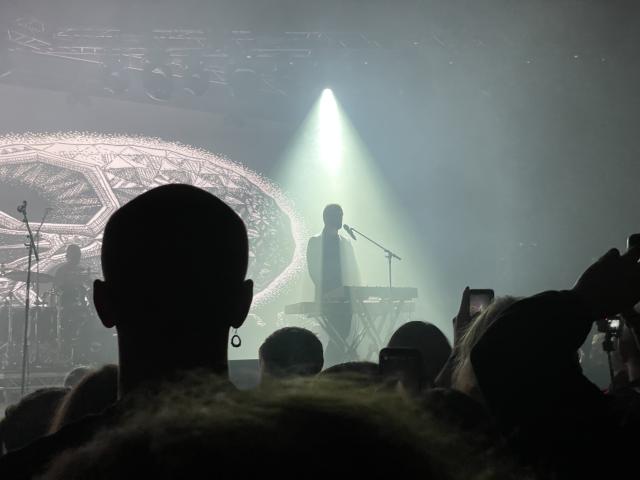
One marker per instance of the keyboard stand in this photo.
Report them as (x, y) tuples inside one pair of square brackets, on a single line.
[(350, 349)]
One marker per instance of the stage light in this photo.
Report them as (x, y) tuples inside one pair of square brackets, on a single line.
[(327, 162), (330, 132), (158, 82)]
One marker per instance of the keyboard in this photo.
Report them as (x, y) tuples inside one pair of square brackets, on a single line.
[(316, 308), (363, 293)]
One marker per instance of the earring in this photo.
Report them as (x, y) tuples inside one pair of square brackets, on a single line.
[(236, 341)]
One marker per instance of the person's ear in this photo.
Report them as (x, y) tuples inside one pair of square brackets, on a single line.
[(242, 305), (104, 303)]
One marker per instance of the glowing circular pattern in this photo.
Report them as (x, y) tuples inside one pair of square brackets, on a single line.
[(86, 177)]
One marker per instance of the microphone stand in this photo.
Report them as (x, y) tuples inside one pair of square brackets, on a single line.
[(25, 344), (387, 253), (38, 299)]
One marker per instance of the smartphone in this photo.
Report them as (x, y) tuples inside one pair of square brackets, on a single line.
[(403, 365), (633, 240), (479, 300)]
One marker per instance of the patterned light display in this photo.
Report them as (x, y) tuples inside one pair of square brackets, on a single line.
[(85, 177)]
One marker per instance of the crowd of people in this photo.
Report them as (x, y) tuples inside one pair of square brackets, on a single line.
[(508, 398)]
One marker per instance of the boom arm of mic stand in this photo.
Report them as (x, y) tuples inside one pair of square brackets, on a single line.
[(388, 252), (25, 343), (36, 250)]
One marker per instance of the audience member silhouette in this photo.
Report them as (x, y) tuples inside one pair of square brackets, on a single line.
[(29, 419), (286, 430), (461, 411), (189, 246), (556, 418), (75, 375), (96, 392), (361, 373), (162, 253), (463, 378), (290, 351), (433, 346), (461, 322)]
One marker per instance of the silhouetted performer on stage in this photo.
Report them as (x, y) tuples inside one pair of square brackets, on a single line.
[(68, 280), (70, 284), (332, 264)]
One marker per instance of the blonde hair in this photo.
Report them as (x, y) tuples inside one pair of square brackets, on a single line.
[(463, 377), (198, 424)]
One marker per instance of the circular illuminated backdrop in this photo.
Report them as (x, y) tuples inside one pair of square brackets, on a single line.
[(84, 178)]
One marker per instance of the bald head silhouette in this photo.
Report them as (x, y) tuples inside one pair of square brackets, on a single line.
[(174, 261)]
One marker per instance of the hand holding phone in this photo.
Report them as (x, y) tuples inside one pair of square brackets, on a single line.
[(633, 240), (462, 320), (479, 300)]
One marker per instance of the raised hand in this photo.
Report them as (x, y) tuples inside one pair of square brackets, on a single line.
[(612, 284), (460, 323), (463, 318)]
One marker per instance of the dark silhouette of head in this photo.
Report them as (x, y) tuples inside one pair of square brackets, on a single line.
[(463, 377), (332, 216), (433, 346), (30, 419), (457, 408), (364, 368), (291, 351), (96, 391), (361, 373), (174, 261), (189, 431), (73, 254), (75, 375), (290, 424)]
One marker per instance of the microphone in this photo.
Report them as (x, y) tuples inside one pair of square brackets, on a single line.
[(23, 207), (349, 230)]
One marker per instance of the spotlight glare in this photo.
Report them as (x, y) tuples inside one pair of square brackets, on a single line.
[(330, 132), (327, 162)]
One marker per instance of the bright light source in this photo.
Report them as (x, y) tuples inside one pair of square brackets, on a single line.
[(330, 132), (327, 162)]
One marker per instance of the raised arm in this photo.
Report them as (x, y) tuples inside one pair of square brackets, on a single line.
[(527, 369), (460, 323)]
